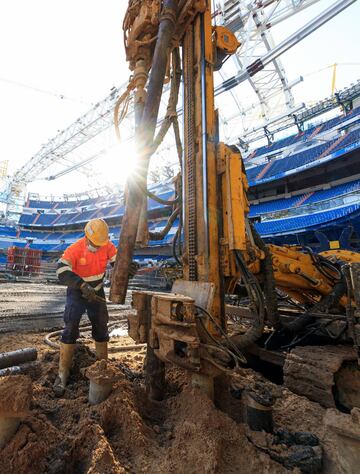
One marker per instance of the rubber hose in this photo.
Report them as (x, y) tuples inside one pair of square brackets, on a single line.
[(55, 345), (325, 303), (272, 312), (255, 294)]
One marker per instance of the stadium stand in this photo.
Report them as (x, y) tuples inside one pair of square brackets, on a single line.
[(315, 197), (51, 225), (291, 224), (292, 163), (8, 231), (307, 134)]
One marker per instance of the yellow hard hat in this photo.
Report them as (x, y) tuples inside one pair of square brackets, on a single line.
[(97, 231)]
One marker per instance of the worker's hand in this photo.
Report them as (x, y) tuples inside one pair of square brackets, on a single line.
[(133, 268), (88, 292)]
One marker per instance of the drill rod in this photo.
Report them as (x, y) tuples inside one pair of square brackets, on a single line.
[(130, 222)]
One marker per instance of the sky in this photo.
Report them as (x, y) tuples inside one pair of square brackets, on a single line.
[(58, 58), (67, 48)]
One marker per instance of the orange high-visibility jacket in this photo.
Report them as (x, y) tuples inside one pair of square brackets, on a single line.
[(78, 264)]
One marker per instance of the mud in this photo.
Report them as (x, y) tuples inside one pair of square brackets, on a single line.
[(298, 413), (346, 431), (311, 373)]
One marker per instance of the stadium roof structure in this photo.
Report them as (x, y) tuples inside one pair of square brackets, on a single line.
[(256, 65)]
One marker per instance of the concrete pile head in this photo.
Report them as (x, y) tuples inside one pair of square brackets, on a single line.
[(102, 376)]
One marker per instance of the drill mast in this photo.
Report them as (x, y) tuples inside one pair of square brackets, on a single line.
[(188, 326), (201, 203)]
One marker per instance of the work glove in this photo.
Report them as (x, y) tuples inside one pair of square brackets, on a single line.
[(88, 292), (133, 268)]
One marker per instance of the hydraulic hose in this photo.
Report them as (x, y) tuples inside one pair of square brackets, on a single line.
[(55, 345), (323, 265), (255, 294), (324, 304), (170, 118), (162, 234), (272, 313), (176, 238)]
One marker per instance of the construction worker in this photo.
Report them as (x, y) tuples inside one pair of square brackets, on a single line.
[(82, 269)]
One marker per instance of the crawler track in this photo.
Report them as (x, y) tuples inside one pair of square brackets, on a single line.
[(313, 371)]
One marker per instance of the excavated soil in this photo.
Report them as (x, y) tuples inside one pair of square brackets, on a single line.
[(15, 395), (102, 372), (185, 433), (127, 433)]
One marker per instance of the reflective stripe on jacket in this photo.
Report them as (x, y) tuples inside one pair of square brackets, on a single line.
[(78, 264)]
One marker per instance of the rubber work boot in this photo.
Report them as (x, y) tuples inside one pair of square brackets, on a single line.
[(66, 355), (101, 349)]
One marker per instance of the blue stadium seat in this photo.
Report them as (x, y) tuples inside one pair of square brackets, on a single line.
[(293, 224), (290, 140), (8, 231), (111, 207), (45, 219), (334, 192), (26, 219), (272, 206), (280, 166), (40, 204), (318, 196)]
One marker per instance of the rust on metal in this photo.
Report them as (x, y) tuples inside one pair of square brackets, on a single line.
[(134, 197)]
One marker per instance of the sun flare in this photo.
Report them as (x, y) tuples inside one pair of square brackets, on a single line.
[(119, 163)]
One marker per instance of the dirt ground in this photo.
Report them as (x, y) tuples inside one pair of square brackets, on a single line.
[(184, 433), (127, 433)]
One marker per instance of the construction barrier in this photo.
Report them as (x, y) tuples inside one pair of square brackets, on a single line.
[(23, 261)]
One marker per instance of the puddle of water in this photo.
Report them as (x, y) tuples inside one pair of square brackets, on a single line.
[(119, 332)]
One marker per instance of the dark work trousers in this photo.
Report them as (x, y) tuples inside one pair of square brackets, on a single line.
[(75, 307)]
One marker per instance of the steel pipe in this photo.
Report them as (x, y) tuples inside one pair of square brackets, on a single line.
[(19, 369), (130, 222), (8, 359)]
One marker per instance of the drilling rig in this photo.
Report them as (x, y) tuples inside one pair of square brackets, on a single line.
[(170, 43)]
